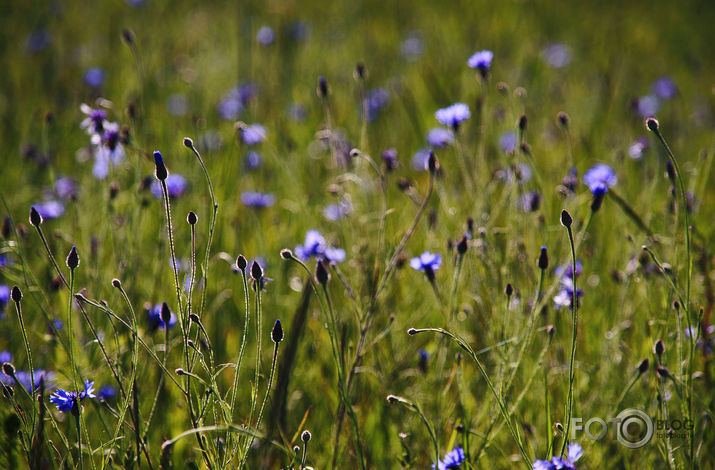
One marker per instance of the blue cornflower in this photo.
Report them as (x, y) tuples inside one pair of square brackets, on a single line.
[(419, 159), (600, 177), (315, 245), (426, 262), (107, 393), (440, 137), (481, 61), (297, 112), (573, 454), (452, 459), (5, 356), (94, 77), (530, 202), (38, 40), (252, 134), (155, 320), (648, 106), (337, 211), (4, 296), (507, 142), (412, 47), (557, 55), (376, 99), (69, 401), (664, 88), (640, 145), (50, 209), (253, 160), (25, 379), (95, 121), (389, 157), (265, 36), (175, 186), (566, 293), (567, 270), (65, 187), (257, 200), (231, 105), (108, 150), (454, 115)]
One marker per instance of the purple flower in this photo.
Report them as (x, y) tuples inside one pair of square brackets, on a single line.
[(520, 173), (316, 246), (648, 106), (50, 209), (426, 261), (452, 116), (297, 112), (481, 60), (266, 36), (664, 88), (530, 202), (507, 142), (440, 137), (338, 211), (4, 297), (107, 393), (95, 121), (640, 145), (376, 99), (69, 401), (175, 186), (573, 454), (566, 293), (419, 159), (253, 134), (231, 105), (5, 356), (257, 200), (557, 55), (600, 177), (25, 379), (38, 40), (412, 47), (253, 160), (567, 271), (108, 151), (389, 156), (94, 77), (452, 459), (65, 187), (155, 320)]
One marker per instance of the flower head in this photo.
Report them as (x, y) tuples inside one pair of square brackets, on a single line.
[(648, 106), (155, 320), (664, 88), (50, 209), (252, 134), (175, 186), (452, 459), (557, 55), (338, 211), (507, 142), (94, 77), (69, 401), (452, 116), (481, 60), (376, 99), (573, 454), (440, 137), (426, 261), (265, 35), (600, 177), (316, 246), (257, 200), (95, 121)]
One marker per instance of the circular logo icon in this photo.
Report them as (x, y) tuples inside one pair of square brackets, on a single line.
[(634, 428)]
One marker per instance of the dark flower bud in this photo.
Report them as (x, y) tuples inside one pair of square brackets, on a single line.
[(6, 228), (470, 225), (256, 271), (411, 331), (643, 366), (195, 318), (192, 218), (116, 283), (323, 89), (360, 71), (296, 449), (564, 119), (550, 330), (543, 259), (392, 399), (670, 171), (305, 436), (462, 246), (277, 332), (432, 164), (180, 371), (35, 217), (321, 273), (502, 88), (73, 258), (509, 289), (161, 172), (404, 184), (165, 313), (652, 124), (659, 348), (286, 254), (354, 153), (460, 428), (663, 371), (113, 190), (188, 143), (566, 219), (597, 200), (676, 305), (8, 368), (241, 262), (522, 123), (525, 148), (128, 36), (16, 294)]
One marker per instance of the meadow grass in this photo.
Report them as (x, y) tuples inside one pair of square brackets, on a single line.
[(182, 299)]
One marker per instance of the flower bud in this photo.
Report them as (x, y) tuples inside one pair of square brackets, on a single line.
[(73, 258), (277, 332), (16, 294), (566, 219), (35, 217), (543, 259), (241, 262), (256, 271), (192, 218), (321, 273), (161, 172), (305, 436)]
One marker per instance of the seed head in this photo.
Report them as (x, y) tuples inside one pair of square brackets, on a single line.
[(522, 123), (8, 369), (663, 371), (128, 36), (652, 124), (277, 332), (116, 283), (643, 366), (509, 290), (188, 143), (286, 254), (73, 258), (659, 348), (16, 294), (564, 119), (323, 88), (411, 331)]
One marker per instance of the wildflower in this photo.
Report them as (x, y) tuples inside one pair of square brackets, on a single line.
[(454, 115), (568, 270), (600, 177), (94, 77), (316, 246), (265, 36), (175, 186), (570, 181), (452, 459), (231, 105), (530, 202), (252, 134), (481, 61), (507, 142), (41, 375), (426, 262), (65, 187), (49, 209), (338, 211), (389, 157), (664, 88), (440, 137), (376, 99), (423, 356), (565, 296), (257, 200), (648, 106), (4, 297), (557, 55), (573, 454), (155, 318), (419, 159), (704, 341), (636, 149), (412, 47), (297, 112), (95, 121), (108, 150), (38, 40), (253, 160), (69, 401), (107, 393)]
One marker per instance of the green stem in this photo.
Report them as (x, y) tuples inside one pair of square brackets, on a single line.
[(574, 316)]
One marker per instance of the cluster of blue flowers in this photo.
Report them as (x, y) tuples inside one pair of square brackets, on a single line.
[(573, 454), (105, 141), (662, 89), (316, 246)]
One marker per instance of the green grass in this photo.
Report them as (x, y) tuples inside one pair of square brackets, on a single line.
[(200, 51)]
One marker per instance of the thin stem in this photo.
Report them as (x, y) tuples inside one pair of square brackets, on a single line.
[(574, 317), (416, 408), (18, 308)]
